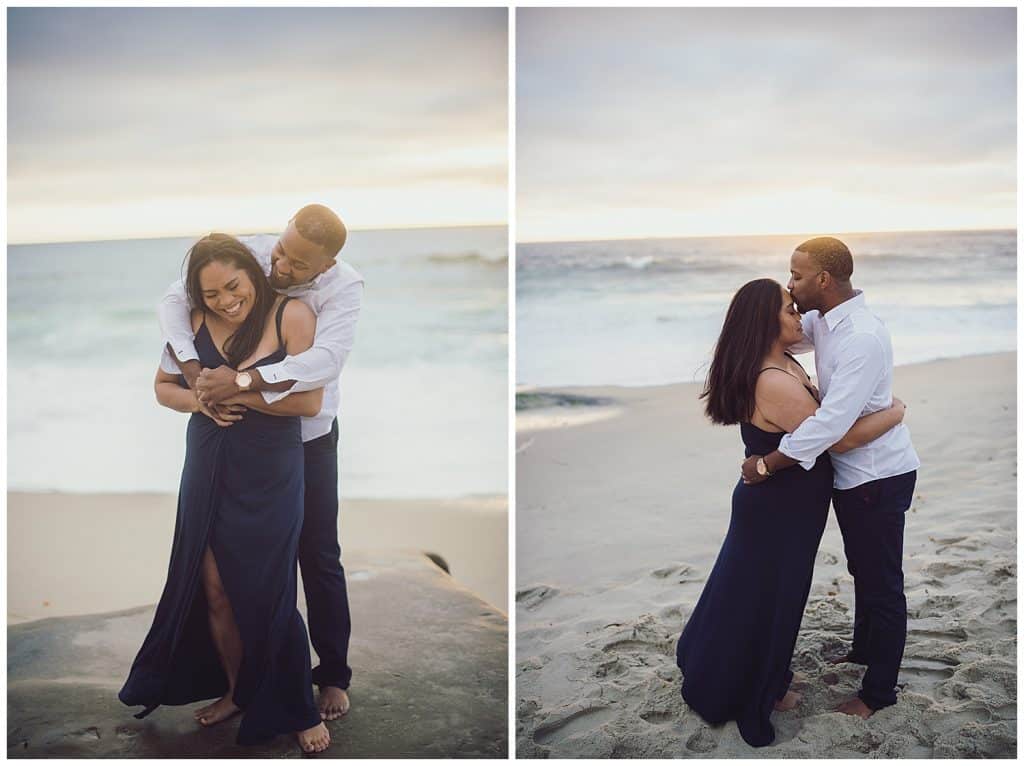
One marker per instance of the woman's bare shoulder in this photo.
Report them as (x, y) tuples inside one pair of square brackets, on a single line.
[(778, 386), (296, 309), (298, 324)]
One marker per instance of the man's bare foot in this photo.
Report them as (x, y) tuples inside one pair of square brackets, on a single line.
[(788, 702), (219, 711), (334, 703), (855, 706), (314, 740)]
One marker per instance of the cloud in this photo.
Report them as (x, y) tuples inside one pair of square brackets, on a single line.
[(663, 107), (117, 104)]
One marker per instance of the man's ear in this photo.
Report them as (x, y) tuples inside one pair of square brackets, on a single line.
[(825, 280)]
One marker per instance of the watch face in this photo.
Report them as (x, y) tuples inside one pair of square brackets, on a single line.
[(244, 380)]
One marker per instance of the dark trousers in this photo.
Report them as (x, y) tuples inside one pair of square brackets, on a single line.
[(323, 577), (871, 519)]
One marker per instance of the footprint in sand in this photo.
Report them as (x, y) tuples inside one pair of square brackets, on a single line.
[(555, 729), (644, 637), (660, 717), (933, 606), (531, 598), (954, 542), (613, 668), (702, 741), (941, 569)]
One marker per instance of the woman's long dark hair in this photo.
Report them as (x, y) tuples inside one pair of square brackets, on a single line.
[(223, 248), (751, 327)]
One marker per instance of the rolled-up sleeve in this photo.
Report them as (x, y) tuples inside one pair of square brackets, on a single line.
[(862, 364), (324, 360), (174, 314)]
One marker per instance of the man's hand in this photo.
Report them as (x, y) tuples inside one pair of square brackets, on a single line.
[(898, 403), (749, 470), (223, 415), (214, 386)]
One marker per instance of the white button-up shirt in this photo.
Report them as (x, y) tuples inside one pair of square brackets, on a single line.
[(853, 357), (334, 296)]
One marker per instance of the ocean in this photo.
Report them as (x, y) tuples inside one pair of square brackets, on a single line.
[(424, 393), (648, 312)]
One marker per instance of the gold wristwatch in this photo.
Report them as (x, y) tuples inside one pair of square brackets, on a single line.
[(762, 468), (243, 380)]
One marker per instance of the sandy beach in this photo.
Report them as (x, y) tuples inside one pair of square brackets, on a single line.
[(77, 554), (620, 518)]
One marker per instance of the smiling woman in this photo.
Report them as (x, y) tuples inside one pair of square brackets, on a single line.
[(223, 276)]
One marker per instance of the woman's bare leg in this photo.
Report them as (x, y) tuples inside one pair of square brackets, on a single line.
[(226, 638)]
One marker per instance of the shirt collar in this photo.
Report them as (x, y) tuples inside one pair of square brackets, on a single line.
[(836, 315), (312, 284)]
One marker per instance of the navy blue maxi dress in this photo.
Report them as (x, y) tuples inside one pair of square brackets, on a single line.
[(241, 493), (735, 650)]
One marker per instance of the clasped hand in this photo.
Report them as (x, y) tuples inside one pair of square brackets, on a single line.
[(214, 386), (215, 391)]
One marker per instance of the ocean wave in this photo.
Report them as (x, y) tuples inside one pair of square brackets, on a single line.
[(470, 256), (537, 400)]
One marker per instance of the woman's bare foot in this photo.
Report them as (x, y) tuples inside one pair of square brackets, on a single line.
[(788, 702), (219, 711), (314, 740), (333, 703)]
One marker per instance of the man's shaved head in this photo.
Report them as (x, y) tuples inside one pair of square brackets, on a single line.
[(831, 255)]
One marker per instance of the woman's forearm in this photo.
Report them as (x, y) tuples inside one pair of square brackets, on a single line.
[(869, 427), (176, 398), (305, 403)]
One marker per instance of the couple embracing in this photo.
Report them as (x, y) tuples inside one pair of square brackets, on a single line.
[(257, 334), (805, 447)]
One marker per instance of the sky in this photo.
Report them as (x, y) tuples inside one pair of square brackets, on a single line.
[(170, 121), (702, 122)]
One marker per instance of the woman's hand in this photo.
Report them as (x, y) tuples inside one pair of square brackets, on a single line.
[(224, 414)]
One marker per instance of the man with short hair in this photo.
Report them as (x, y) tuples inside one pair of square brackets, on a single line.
[(874, 484), (301, 263)]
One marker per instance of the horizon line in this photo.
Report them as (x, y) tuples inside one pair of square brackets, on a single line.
[(641, 238), (254, 233)]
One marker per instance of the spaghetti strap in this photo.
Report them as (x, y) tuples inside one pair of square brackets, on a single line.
[(280, 313), (794, 360), (808, 388)]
